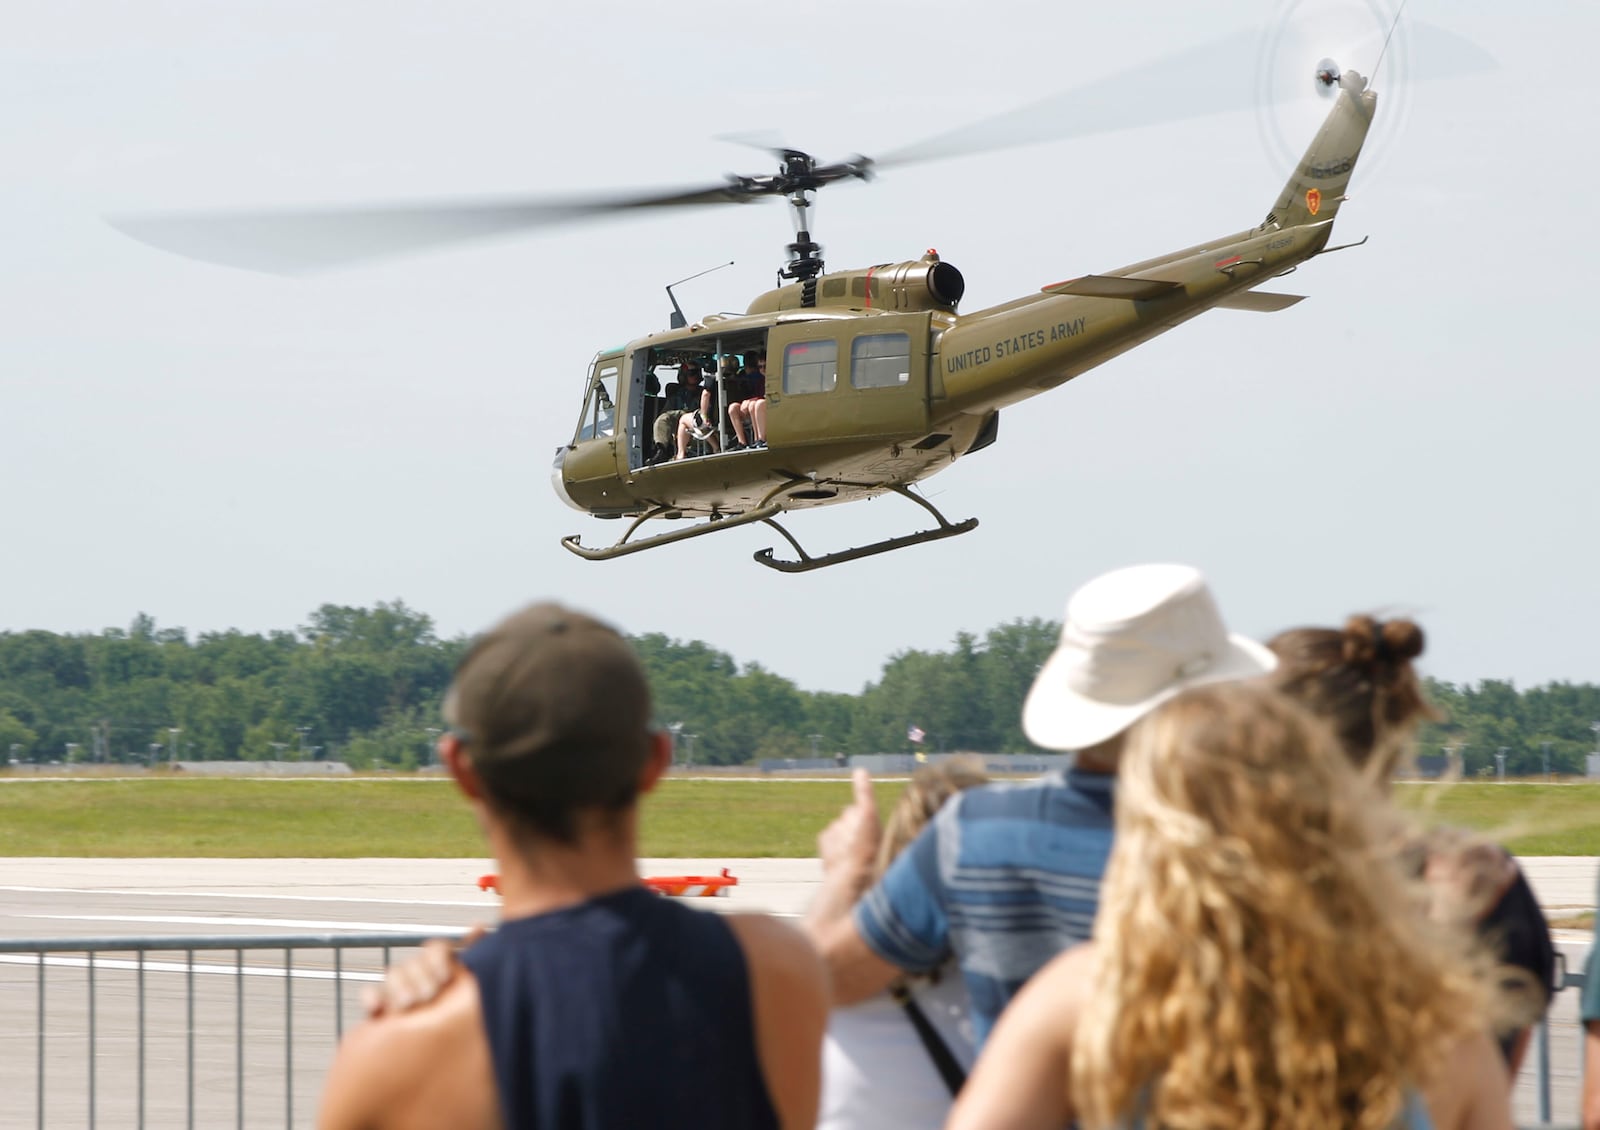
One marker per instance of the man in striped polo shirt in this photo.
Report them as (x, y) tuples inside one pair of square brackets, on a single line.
[(1006, 877)]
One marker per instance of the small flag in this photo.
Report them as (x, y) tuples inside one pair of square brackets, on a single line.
[(914, 734)]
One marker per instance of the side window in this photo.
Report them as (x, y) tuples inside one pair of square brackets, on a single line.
[(880, 360), (600, 416), (811, 366)]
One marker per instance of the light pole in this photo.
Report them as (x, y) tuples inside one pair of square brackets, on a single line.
[(1500, 763), (302, 731), (172, 749), (433, 733), (1546, 760), (688, 752)]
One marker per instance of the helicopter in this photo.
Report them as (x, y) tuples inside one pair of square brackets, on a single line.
[(877, 381)]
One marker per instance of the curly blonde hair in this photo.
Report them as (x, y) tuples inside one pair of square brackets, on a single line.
[(1261, 960)]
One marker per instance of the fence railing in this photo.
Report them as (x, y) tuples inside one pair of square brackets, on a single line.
[(1543, 1062), (178, 1031), (234, 1029)]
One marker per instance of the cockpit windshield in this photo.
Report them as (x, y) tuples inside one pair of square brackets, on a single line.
[(600, 409)]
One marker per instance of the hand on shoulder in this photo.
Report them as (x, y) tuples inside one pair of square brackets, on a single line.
[(421, 977)]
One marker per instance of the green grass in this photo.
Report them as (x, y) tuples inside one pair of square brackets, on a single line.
[(1573, 922), (686, 817), (267, 819), (746, 818), (240, 819), (1529, 819)]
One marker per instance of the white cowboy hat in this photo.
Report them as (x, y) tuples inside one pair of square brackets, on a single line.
[(1132, 639)]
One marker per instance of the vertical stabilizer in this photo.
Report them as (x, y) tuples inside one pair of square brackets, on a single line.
[(1318, 185)]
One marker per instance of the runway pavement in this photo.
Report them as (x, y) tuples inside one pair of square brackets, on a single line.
[(243, 1010)]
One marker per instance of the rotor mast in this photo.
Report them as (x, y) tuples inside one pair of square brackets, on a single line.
[(799, 177)]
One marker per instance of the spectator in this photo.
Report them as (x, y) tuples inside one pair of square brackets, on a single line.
[(679, 401), (1006, 877), (893, 1061), (1361, 681), (1256, 962), (751, 408), (596, 1003)]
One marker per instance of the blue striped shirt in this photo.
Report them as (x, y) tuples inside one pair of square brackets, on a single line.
[(1004, 878)]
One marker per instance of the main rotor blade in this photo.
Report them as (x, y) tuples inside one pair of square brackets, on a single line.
[(1214, 78), (297, 242)]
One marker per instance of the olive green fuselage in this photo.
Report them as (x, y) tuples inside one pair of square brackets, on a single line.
[(854, 441)]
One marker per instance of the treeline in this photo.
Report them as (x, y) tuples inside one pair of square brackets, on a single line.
[(363, 685), (1545, 729)]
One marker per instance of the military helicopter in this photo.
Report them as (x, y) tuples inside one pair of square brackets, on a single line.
[(876, 381)]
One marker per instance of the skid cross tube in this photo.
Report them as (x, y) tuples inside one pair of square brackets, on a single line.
[(945, 529)]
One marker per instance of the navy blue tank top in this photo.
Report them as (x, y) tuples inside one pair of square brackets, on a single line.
[(625, 1011)]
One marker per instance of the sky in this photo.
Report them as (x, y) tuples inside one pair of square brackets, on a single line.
[(225, 449)]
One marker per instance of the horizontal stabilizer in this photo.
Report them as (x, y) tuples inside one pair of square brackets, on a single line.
[(1112, 286), (1261, 301)]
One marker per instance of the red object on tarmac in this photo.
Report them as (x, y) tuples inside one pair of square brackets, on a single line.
[(693, 886), (675, 886)]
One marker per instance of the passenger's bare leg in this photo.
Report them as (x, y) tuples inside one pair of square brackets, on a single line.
[(736, 418), (758, 419)]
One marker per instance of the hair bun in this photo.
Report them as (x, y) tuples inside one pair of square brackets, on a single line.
[(1402, 639), (1369, 640)]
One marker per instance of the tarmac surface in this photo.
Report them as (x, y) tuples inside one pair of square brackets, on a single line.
[(264, 1020)]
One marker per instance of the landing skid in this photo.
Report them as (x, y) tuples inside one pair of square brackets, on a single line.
[(771, 506), (807, 563)]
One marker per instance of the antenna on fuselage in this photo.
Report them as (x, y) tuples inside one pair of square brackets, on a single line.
[(678, 320)]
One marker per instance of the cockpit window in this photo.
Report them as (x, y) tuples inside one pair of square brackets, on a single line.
[(600, 412)]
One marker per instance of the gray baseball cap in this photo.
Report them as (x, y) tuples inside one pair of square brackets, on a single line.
[(553, 707)]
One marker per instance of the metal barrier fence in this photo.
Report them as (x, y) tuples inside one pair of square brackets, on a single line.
[(178, 1031), (1543, 1065), (142, 1024)]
